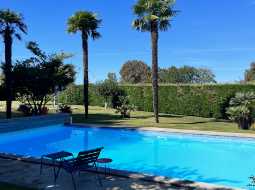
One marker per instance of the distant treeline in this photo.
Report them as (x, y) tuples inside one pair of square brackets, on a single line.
[(135, 71)]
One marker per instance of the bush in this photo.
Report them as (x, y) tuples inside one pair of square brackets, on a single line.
[(44, 111), (242, 110), (194, 100), (25, 109), (65, 109), (109, 89), (124, 108)]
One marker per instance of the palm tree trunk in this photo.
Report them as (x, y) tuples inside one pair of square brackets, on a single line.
[(8, 72), (85, 75), (154, 41)]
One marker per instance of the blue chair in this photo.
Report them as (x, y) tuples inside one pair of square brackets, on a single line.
[(84, 161)]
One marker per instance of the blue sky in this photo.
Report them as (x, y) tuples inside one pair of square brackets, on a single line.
[(216, 34)]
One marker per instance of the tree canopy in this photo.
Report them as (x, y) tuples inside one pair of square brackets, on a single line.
[(86, 22), (186, 74), (249, 75), (157, 11), (11, 22), (110, 90), (37, 78), (134, 72)]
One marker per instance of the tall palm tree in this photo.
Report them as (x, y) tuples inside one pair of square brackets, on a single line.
[(10, 24), (154, 16), (87, 23)]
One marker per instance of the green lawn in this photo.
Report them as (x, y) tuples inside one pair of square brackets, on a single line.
[(145, 119), (98, 115)]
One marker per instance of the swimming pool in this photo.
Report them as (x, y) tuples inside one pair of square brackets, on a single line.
[(217, 160)]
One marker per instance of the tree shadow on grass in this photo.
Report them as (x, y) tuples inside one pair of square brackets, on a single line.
[(110, 119), (142, 117), (99, 118), (191, 123), (171, 116), (104, 118)]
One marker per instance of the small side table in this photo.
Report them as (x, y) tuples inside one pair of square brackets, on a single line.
[(57, 157), (106, 162)]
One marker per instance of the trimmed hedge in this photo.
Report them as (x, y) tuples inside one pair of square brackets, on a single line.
[(193, 100), (73, 95)]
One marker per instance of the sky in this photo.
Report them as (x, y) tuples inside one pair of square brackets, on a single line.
[(214, 34)]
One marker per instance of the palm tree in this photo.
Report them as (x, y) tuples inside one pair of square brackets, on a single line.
[(154, 16), (87, 23), (10, 23)]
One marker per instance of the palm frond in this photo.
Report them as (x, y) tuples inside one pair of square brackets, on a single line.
[(148, 11), (86, 22), (18, 36), (141, 25), (95, 35), (164, 25), (12, 21)]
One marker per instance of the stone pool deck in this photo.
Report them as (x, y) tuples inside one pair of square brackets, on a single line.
[(27, 174)]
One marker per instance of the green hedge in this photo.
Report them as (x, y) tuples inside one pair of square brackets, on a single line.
[(73, 95), (193, 100)]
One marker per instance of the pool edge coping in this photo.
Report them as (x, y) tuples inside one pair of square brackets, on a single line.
[(174, 182), (169, 130)]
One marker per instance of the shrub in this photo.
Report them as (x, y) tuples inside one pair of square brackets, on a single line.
[(242, 110), (65, 109), (25, 109), (44, 111), (116, 98), (109, 89), (124, 108)]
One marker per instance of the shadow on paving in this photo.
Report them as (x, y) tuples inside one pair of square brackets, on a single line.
[(28, 175)]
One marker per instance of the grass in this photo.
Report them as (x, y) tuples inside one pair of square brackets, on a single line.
[(99, 115)]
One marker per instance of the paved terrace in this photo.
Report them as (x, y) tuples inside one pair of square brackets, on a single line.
[(27, 175)]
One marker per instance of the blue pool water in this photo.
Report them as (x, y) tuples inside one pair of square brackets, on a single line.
[(223, 161)]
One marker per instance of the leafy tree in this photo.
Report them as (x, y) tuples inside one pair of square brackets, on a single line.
[(204, 76), (154, 16), (169, 75), (250, 73), (87, 23), (36, 78), (10, 24), (112, 77), (135, 72), (110, 90), (186, 75)]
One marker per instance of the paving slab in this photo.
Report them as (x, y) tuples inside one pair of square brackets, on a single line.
[(28, 175)]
